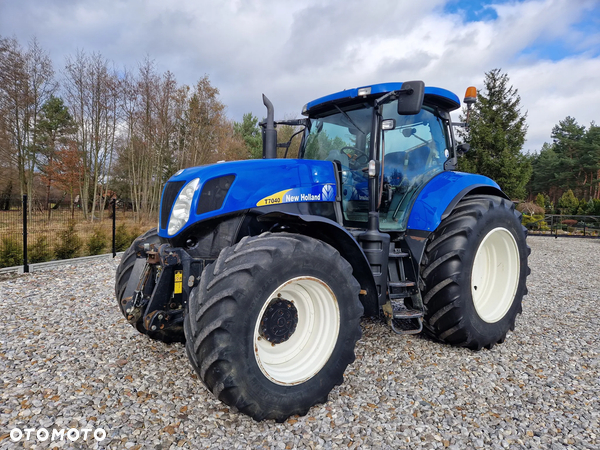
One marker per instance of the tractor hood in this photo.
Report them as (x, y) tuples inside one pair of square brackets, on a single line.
[(199, 193)]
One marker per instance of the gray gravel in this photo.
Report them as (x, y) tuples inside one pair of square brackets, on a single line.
[(68, 360)]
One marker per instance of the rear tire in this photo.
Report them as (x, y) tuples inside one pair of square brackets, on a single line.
[(122, 278), (273, 323), (474, 272)]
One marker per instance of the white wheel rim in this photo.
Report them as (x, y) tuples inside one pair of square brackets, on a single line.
[(308, 349), (495, 275)]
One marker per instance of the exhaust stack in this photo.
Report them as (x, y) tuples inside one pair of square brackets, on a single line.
[(269, 133)]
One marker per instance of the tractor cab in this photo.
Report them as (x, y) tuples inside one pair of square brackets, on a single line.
[(353, 127)]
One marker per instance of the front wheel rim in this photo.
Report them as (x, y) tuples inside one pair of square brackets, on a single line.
[(495, 275), (309, 345)]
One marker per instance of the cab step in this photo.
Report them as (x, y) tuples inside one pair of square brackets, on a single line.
[(403, 320), (407, 322), (400, 284), (400, 289)]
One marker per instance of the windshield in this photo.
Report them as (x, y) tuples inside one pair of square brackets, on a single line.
[(340, 136), (344, 136)]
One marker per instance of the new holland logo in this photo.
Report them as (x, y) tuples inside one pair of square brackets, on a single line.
[(327, 193)]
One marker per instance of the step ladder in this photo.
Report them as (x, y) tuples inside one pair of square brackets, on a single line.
[(400, 318)]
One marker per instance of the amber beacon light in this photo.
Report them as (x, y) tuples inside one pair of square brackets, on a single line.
[(470, 97)]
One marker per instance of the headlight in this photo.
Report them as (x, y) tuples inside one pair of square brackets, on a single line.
[(181, 209)]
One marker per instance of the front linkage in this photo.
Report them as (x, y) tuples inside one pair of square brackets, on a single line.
[(156, 294)]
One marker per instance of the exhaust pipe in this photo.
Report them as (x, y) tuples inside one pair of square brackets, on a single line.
[(269, 133)]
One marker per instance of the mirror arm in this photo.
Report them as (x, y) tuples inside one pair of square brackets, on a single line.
[(294, 122)]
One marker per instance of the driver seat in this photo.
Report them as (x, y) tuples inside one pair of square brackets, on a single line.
[(417, 159)]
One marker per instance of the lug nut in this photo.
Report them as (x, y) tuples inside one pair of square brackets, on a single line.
[(160, 317), (153, 327)]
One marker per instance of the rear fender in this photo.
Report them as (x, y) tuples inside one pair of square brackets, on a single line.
[(339, 238), (437, 200), (438, 197)]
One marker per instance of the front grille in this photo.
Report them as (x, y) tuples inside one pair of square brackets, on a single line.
[(213, 194), (168, 198)]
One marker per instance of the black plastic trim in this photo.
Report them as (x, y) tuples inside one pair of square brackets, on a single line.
[(213, 194), (170, 192)]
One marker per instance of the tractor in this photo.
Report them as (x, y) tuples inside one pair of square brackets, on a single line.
[(264, 268)]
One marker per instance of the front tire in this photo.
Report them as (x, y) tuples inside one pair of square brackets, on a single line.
[(273, 323), (474, 272)]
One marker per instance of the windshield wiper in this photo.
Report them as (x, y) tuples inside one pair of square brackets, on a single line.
[(349, 118)]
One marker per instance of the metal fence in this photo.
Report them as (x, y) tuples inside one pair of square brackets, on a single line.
[(32, 233), (564, 226)]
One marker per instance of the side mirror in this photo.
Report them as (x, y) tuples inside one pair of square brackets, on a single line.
[(410, 98), (461, 149)]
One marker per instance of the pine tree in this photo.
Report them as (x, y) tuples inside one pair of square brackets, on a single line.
[(250, 132), (589, 162), (567, 139), (568, 203), (540, 200), (53, 128), (496, 133)]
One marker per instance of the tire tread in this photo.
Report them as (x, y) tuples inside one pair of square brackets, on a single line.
[(211, 319)]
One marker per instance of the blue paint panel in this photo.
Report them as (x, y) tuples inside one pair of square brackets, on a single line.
[(260, 179), (435, 197), (383, 88)]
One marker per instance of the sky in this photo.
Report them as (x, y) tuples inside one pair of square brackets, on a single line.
[(294, 51)]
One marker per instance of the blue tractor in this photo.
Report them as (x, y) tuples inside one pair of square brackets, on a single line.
[(264, 268)]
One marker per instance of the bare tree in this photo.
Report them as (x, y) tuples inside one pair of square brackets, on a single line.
[(92, 93), (26, 83)]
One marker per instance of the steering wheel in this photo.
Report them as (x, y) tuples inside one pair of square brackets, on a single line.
[(356, 158)]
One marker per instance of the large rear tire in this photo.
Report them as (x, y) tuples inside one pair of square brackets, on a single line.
[(474, 272), (273, 323), (122, 278)]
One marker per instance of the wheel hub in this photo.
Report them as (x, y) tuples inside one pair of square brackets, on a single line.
[(279, 321), (495, 275)]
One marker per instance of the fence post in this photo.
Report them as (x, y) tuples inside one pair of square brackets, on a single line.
[(25, 265), (114, 225)]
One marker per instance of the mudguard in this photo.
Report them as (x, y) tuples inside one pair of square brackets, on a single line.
[(339, 238), (438, 197)]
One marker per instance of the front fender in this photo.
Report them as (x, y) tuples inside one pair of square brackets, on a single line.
[(339, 238)]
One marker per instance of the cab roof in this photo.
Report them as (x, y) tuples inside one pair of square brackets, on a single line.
[(438, 96)]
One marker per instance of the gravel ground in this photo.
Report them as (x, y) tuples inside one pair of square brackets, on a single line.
[(68, 360)]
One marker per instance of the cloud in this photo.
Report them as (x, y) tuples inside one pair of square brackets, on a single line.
[(295, 51), (551, 91)]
